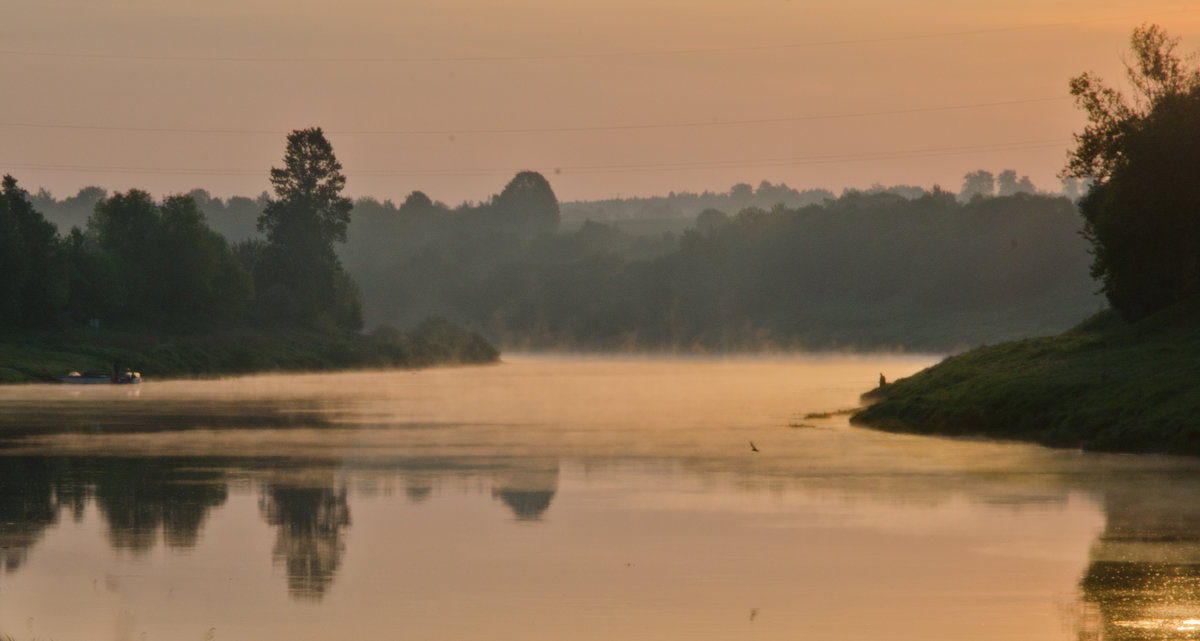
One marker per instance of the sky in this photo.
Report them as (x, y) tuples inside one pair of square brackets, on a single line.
[(612, 98)]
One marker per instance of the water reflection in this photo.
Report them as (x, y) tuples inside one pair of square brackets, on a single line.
[(35, 492), (309, 524), (307, 457), (418, 493), (1144, 571), (143, 501), (143, 498), (139, 499), (529, 490)]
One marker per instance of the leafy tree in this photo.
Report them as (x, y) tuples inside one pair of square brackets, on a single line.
[(298, 275), (308, 207), (741, 194), (1007, 183), (710, 220), (978, 183), (32, 289), (95, 290), (416, 204), (167, 263), (197, 276), (528, 204), (1142, 212), (126, 227)]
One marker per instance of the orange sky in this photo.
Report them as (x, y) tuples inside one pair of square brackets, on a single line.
[(621, 97)]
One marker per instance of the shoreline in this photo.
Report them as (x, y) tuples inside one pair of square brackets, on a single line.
[(42, 356), (1106, 385)]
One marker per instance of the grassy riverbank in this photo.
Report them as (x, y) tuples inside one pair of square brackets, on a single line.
[(1105, 385), (40, 356)]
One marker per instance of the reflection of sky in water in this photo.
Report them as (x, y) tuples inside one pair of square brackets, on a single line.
[(558, 498)]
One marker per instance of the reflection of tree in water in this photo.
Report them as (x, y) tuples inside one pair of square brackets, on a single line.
[(418, 493), (527, 505), (1144, 571), (528, 492), (33, 492), (139, 496), (308, 540)]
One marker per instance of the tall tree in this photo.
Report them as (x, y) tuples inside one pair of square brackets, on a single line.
[(978, 183), (528, 204), (197, 276), (299, 277), (308, 206), (1142, 212), (127, 228), (32, 288)]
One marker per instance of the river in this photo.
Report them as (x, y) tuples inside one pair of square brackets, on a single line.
[(569, 498)]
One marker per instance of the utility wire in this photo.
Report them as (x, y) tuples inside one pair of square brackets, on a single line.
[(570, 56), (537, 130)]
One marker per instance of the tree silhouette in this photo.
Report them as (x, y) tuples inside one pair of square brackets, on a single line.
[(166, 263), (33, 287), (710, 220), (1143, 153), (142, 497), (308, 541), (1007, 183), (417, 204), (528, 204), (299, 277), (978, 183)]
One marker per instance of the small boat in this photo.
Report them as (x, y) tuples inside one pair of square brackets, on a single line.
[(86, 378), (129, 377), (92, 378)]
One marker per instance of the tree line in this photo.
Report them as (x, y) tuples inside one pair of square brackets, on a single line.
[(865, 270), (1142, 152), (137, 262), (882, 268)]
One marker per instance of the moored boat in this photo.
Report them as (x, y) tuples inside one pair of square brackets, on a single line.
[(85, 378), (92, 378)]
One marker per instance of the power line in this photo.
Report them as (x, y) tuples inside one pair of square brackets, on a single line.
[(537, 130), (587, 169), (568, 56)]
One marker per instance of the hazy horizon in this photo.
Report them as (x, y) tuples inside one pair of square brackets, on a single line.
[(627, 100)]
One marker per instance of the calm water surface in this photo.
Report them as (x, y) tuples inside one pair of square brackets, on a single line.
[(569, 498)]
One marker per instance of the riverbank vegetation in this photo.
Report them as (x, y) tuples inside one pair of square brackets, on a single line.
[(1107, 385), (1126, 379)]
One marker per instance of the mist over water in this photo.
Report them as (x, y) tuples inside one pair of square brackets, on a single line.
[(559, 497)]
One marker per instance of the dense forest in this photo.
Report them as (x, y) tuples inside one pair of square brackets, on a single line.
[(861, 271), (140, 263), (891, 267), (139, 273)]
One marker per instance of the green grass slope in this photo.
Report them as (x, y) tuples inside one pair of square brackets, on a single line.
[(40, 356), (1105, 385)]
